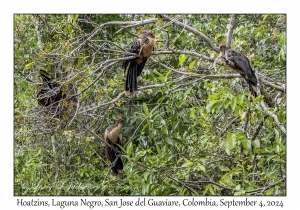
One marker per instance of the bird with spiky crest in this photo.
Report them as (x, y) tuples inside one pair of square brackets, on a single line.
[(143, 46), (241, 64), (113, 138)]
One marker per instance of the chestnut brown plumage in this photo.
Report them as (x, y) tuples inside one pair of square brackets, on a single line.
[(113, 137), (143, 46)]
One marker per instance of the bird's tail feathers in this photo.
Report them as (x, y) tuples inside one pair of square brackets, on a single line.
[(253, 90), (131, 78), (114, 159)]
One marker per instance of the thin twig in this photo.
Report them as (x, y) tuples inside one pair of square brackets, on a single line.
[(257, 130), (215, 62), (135, 131), (229, 124), (186, 52), (246, 122), (263, 189)]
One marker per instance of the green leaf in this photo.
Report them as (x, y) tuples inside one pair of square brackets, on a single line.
[(187, 164), (227, 180), (24, 84), (80, 60), (192, 64), (160, 77), (258, 99), (182, 58), (211, 190), (28, 65), (179, 141), (224, 168), (145, 108), (161, 98), (256, 143), (129, 148), (206, 189), (233, 103), (202, 168), (167, 74), (192, 113), (158, 150), (229, 143)]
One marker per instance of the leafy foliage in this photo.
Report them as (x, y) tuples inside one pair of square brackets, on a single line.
[(189, 130)]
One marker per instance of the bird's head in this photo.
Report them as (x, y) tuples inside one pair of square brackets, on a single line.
[(149, 34), (120, 120), (222, 48)]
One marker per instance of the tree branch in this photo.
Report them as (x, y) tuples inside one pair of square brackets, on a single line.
[(96, 78), (139, 23), (230, 30), (282, 128), (184, 52), (192, 30), (257, 130), (96, 31), (263, 189), (276, 87), (215, 62)]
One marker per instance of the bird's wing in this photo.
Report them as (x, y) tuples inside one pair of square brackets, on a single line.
[(141, 66), (241, 62), (244, 64), (120, 138), (135, 48)]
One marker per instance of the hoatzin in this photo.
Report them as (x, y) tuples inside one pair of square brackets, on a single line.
[(241, 64), (113, 137), (143, 46), (50, 92)]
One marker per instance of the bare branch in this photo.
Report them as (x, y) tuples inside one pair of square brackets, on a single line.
[(192, 30), (77, 107), (184, 52), (53, 143), (135, 131), (257, 130), (230, 30), (282, 128), (96, 78), (277, 99), (215, 62), (276, 87), (182, 183), (246, 122), (121, 95), (99, 28), (229, 124), (263, 189), (139, 23)]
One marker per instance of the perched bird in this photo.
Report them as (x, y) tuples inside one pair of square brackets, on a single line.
[(50, 92), (143, 46), (241, 64), (113, 137)]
